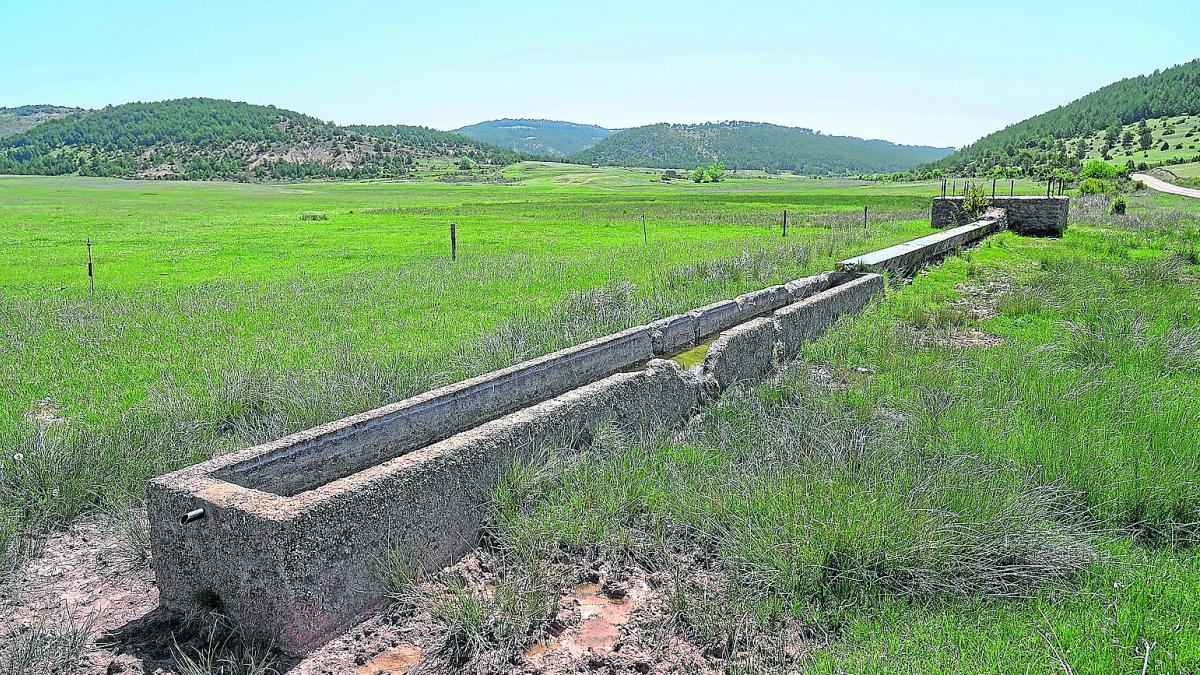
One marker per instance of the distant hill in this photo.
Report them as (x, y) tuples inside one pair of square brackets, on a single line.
[(435, 142), (755, 145), (23, 118), (542, 137), (1061, 137), (201, 138)]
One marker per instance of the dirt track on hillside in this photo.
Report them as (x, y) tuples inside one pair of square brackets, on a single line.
[(1163, 186)]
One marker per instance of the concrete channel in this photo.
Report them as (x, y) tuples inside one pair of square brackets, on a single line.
[(286, 537)]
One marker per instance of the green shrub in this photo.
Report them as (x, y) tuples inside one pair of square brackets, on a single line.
[(1098, 169), (1118, 206), (1094, 186), (975, 202)]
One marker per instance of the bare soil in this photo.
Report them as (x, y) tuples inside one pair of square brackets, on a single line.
[(611, 618), (980, 299), (977, 301)]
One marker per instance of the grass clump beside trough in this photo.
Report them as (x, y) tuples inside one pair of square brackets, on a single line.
[(498, 623), (218, 648), (1014, 486), (54, 645)]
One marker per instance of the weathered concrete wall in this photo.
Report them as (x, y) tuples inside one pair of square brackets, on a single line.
[(293, 530), (749, 352), (904, 259), (810, 318), (316, 456), (301, 567), (810, 286), (1031, 216), (682, 331), (745, 353)]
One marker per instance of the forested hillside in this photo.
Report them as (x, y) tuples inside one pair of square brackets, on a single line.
[(199, 138), (26, 117), (755, 145), (1051, 140), (544, 137)]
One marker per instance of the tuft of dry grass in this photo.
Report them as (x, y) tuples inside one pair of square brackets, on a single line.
[(223, 649), (54, 645), (497, 623)]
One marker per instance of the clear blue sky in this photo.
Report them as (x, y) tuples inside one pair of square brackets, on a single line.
[(914, 72)]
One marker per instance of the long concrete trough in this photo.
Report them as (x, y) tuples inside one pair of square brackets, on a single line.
[(903, 259), (286, 537)]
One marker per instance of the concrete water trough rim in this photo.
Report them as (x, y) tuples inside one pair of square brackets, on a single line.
[(269, 458), (885, 254), (216, 479), (210, 480)]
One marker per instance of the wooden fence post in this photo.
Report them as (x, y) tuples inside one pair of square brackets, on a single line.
[(785, 222), (453, 242), (91, 278)]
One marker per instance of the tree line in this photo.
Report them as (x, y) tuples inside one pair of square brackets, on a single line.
[(754, 145), (199, 138)]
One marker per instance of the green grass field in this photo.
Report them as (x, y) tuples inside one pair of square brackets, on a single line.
[(228, 314), (1190, 170), (934, 503), (1187, 175)]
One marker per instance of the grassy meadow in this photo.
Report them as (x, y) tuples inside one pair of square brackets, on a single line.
[(1190, 170), (1187, 175), (994, 469), (227, 314), (1181, 133)]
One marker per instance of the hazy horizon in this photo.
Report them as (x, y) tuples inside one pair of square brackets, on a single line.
[(903, 72)]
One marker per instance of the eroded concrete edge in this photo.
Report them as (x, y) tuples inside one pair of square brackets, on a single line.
[(307, 565), (305, 576), (903, 259), (752, 350)]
